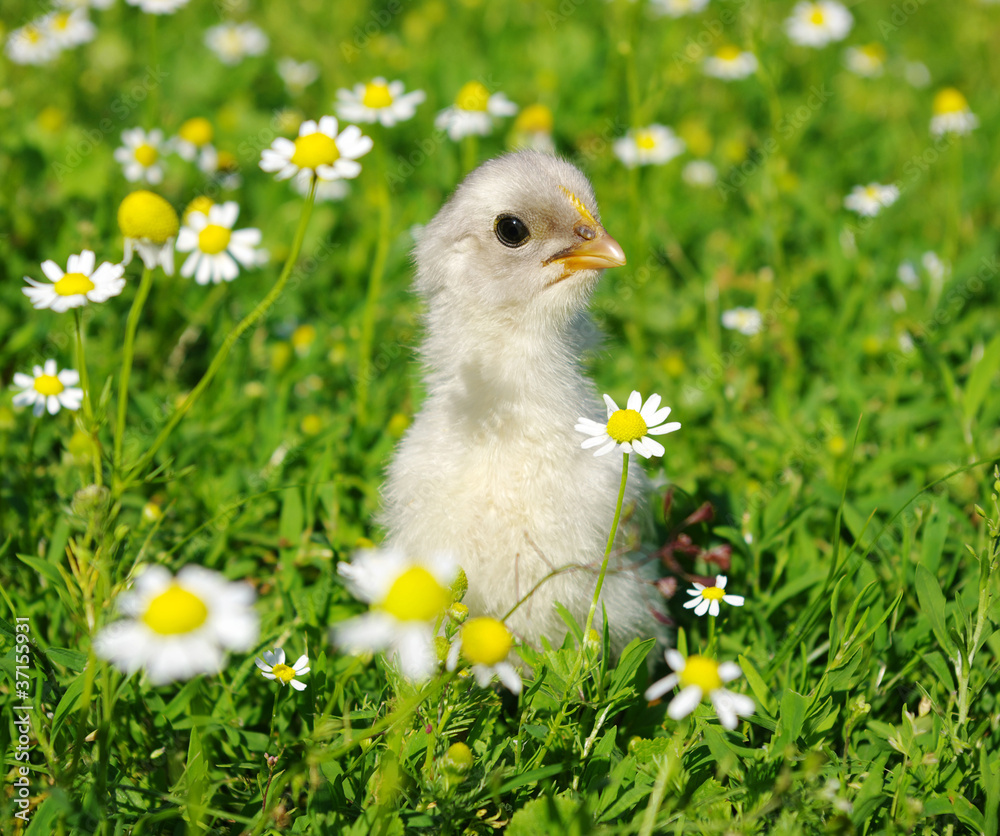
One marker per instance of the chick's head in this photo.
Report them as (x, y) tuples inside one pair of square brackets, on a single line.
[(521, 236)]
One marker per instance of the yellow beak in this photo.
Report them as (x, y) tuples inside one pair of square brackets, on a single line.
[(597, 250)]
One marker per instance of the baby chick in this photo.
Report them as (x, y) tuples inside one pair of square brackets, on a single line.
[(492, 470)]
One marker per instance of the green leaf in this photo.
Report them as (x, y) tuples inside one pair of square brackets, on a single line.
[(989, 777), (563, 814), (870, 797), (932, 604), (760, 690), (934, 536), (574, 628), (71, 659), (634, 654), (530, 777), (68, 703), (955, 805), (979, 382), (790, 719)]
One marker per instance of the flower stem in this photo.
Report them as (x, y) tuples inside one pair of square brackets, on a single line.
[(578, 666), (88, 405), (371, 300), (232, 337), (274, 713), (470, 153), (128, 352), (607, 551)]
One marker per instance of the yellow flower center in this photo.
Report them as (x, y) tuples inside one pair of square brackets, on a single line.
[(303, 336), (145, 155), (728, 53), (626, 425), (32, 35), (60, 21), (227, 161), (283, 673), (199, 204), (197, 131), (473, 96), (416, 596), (143, 214), (48, 384), (645, 140), (315, 150), (713, 593), (213, 239), (534, 119), (817, 18), (950, 100), (485, 641), (874, 51), (175, 611), (701, 672), (73, 284), (376, 96)]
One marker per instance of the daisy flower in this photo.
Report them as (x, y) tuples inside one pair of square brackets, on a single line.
[(706, 598), (232, 42), (699, 173), (273, 667), (867, 60), (818, 24), (32, 44), (698, 676), (378, 101), (952, 114), (677, 8), (936, 268), (79, 284), (473, 112), (140, 155), (629, 429), (69, 29), (407, 599), (916, 74), (907, 274), (47, 388), (485, 643), (654, 145), (297, 75), (869, 200), (194, 142), (215, 248), (318, 149), (730, 63), (149, 225), (158, 7), (747, 321), (179, 626), (533, 129)]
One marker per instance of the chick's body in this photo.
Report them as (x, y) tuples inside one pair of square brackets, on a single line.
[(492, 470)]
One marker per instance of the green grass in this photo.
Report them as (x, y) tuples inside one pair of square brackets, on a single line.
[(851, 473)]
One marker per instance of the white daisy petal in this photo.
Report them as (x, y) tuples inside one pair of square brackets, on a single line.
[(684, 703), (660, 687)]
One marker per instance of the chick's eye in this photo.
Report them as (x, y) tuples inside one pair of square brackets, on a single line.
[(511, 231)]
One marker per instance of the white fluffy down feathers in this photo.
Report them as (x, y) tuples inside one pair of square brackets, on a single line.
[(492, 470)]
